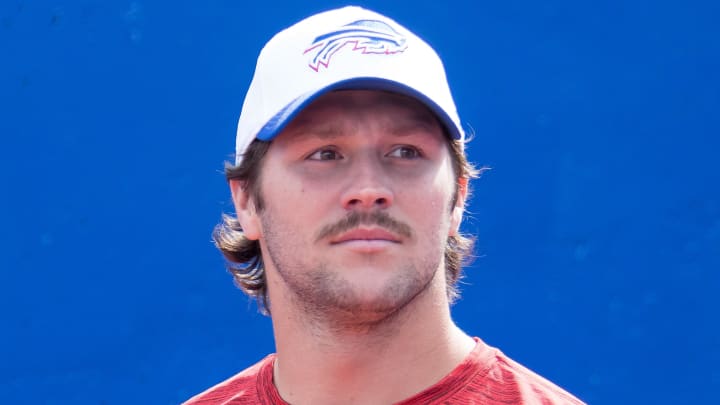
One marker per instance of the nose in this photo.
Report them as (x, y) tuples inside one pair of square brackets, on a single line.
[(368, 189)]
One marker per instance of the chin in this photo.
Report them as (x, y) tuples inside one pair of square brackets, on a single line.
[(376, 296)]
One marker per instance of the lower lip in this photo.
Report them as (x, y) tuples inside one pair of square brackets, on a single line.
[(366, 245)]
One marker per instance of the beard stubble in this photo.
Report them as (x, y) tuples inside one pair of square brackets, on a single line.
[(325, 297)]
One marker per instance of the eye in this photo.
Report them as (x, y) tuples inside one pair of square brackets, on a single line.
[(325, 154), (405, 152)]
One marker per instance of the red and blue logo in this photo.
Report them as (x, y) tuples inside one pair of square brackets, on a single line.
[(365, 36)]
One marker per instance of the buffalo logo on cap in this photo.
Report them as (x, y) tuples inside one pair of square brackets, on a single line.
[(365, 36)]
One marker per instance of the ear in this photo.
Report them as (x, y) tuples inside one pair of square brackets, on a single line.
[(457, 212), (245, 209)]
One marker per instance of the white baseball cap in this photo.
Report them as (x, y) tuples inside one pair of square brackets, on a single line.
[(341, 49)]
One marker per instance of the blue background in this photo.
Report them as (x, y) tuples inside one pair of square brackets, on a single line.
[(598, 228)]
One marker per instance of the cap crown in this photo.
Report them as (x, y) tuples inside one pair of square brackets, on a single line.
[(347, 48)]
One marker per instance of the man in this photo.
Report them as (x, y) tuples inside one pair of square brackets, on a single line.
[(349, 187)]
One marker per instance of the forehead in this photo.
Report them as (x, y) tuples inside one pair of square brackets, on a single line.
[(391, 110)]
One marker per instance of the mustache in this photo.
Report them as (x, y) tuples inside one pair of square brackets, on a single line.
[(355, 218)]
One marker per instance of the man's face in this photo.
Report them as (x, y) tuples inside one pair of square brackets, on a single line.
[(357, 195)]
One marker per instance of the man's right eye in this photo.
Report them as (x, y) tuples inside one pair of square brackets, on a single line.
[(325, 154)]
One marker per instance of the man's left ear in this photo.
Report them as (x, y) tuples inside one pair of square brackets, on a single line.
[(459, 208)]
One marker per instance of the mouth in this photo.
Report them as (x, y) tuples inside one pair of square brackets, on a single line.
[(367, 236)]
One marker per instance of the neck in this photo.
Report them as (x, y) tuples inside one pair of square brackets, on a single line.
[(399, 356)]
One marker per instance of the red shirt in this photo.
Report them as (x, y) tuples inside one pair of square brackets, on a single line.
[(486, 376)]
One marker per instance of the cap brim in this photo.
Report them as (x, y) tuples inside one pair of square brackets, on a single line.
[(276, 124)]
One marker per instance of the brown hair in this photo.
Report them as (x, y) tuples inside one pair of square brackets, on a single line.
[(244, 257)]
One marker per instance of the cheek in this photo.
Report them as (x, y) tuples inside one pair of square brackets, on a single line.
[(430, 206), (294, 203), (440, 192)]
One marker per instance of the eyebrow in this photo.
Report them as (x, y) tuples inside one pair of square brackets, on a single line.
[(306, 130), (303, 127)]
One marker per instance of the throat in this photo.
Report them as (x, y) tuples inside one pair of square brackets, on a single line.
[(397, 369)]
